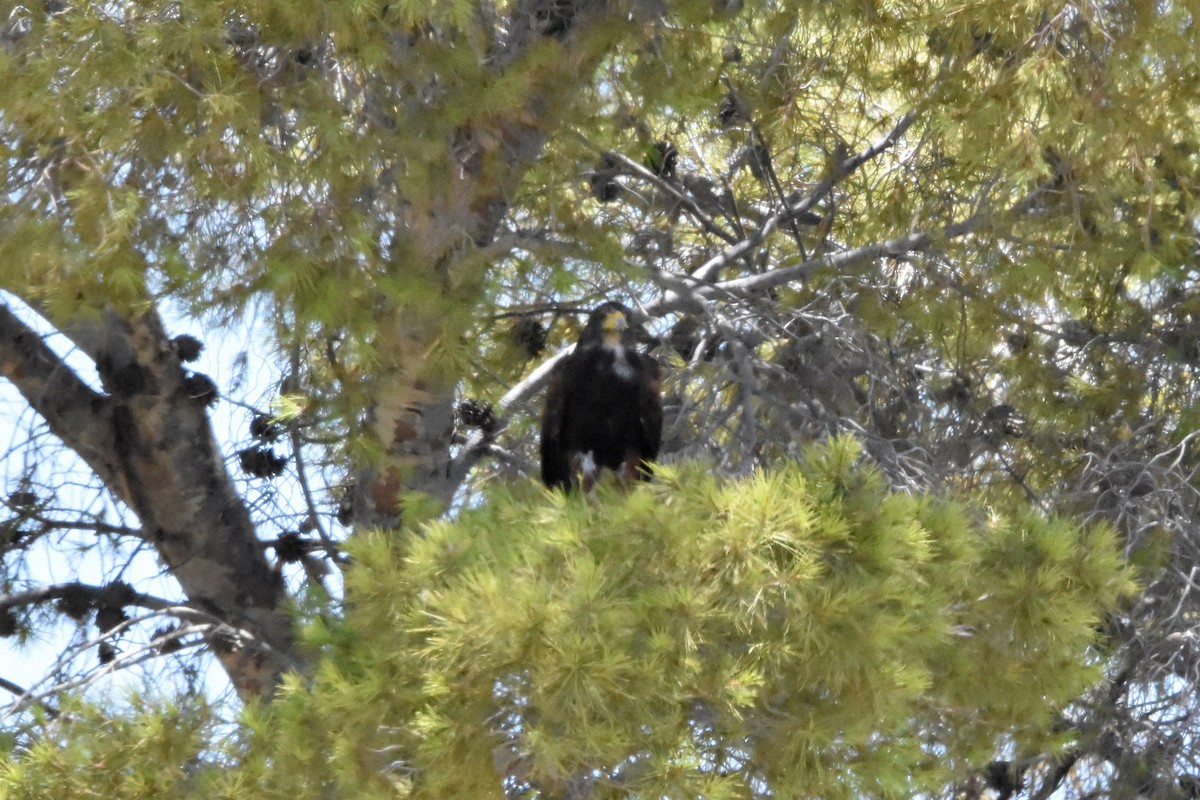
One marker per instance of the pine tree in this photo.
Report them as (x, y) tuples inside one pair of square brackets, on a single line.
[(963, 234)]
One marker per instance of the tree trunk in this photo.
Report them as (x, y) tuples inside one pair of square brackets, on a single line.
[(412, 414)]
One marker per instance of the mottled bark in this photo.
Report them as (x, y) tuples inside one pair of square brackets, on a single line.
[(147, 437)]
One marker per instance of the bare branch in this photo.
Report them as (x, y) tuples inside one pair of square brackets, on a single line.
[(713, 266), (314, 517), (886, 142), (93, 526), (122, 594), (21, 691), (706, 222), (40, 692), (214, 630), (690, 291)]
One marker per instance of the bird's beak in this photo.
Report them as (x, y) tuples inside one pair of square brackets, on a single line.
[(615, 322)]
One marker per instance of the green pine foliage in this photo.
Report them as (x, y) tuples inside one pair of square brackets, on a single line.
[(805, 631), (140, 749)]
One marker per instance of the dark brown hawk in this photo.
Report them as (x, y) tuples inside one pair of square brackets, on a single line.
[(603, 406)]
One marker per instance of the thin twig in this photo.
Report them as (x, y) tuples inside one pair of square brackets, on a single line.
[(20, 691), (706, 222), (314, 516)]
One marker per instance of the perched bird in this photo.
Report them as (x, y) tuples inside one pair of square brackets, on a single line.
[(603, 406)]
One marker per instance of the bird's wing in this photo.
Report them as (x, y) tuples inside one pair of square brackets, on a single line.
[(650, 410), (556, 471)]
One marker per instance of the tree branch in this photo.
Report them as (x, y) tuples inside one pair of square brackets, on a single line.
[(120, 594), (93, 526), (714, 265), (20, 691), (81, 417), (706, 222), (691, 288), (212, 628), (903, 245)]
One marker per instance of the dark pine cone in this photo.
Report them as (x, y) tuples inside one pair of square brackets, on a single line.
[(264, 429), (290, 547), (23, 499), (75, 602), (729, 110), (261, 462), (109, 617), (474, 414), (8, 623), (171, 643), (188, 348), (661, 159), (604, 185), (530, 335), (200, 388)]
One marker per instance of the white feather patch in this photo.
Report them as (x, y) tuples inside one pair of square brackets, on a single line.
[(621, 363)]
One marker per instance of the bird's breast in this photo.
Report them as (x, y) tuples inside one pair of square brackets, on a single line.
[(620, 362)]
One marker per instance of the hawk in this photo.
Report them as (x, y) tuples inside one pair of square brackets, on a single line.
[(603, 406)]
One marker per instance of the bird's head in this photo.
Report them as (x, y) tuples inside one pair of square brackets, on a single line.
[(608, 324), (615, 324)]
